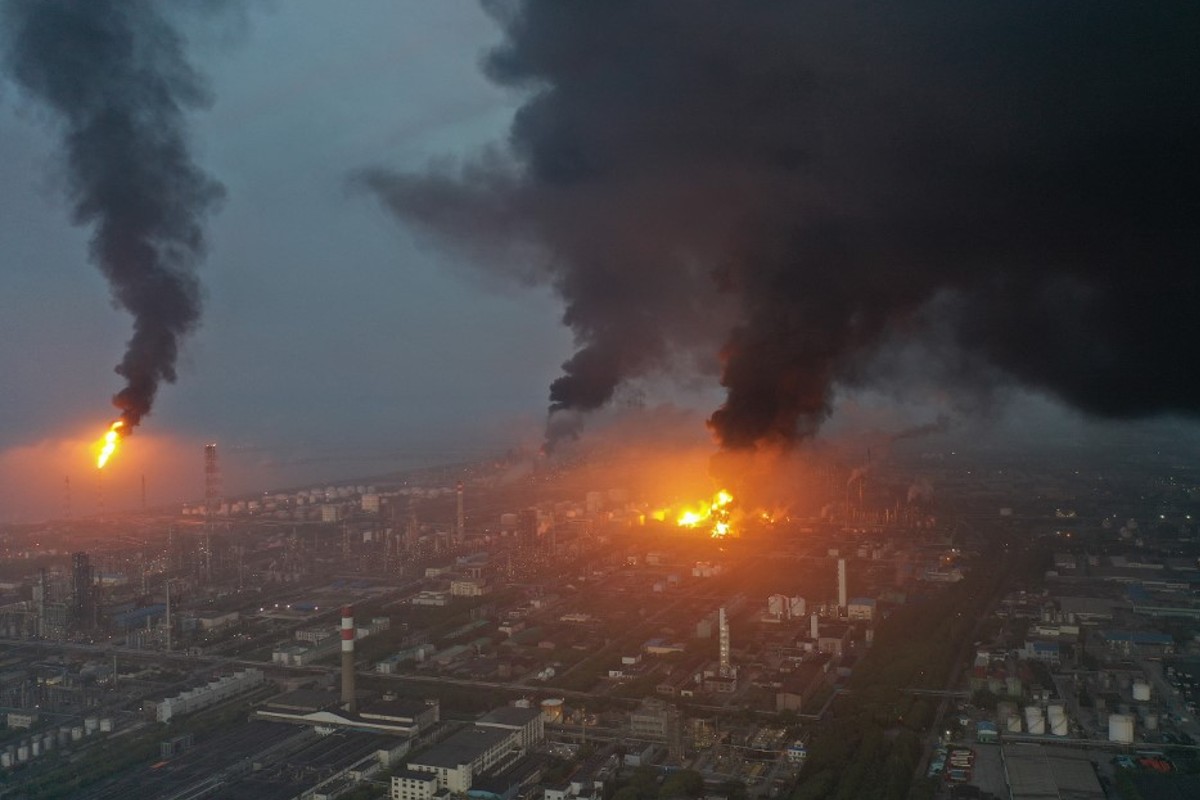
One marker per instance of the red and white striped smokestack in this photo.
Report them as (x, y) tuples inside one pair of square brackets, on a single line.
[(348, 701)]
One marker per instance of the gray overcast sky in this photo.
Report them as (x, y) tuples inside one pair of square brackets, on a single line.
[(333, 344), (326, 333)]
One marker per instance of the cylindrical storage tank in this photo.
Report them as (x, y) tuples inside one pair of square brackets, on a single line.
[(1055, 710), (106, 725), (1058, 726), (48, 743), (552, 709), (1120, 728), (1141, 691), (35, 748), (76, 733), (6, 760), (1151, 722), (91, 725), (1014, 724), (23, 754)]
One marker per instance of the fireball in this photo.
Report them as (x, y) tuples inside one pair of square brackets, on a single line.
[(715, 513)]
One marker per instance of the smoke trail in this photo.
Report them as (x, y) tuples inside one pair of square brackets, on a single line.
[(1020, 176), (114, 73)]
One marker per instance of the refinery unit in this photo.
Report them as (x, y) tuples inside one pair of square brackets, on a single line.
[(378, 618)]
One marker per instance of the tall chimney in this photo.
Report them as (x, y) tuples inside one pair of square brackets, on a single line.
[(725, 667), (841, 574), (460, 522), (814, 627), (348, 701)]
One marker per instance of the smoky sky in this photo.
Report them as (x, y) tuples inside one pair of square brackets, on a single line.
[(793, 185), (119, 86)]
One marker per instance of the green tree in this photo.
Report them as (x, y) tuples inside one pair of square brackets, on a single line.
[(682, 783)]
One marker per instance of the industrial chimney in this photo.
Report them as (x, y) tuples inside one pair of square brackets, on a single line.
[(348, 701), (841, 575), (460, 522)]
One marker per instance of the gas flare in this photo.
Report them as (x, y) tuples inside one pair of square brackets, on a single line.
[(108, 444)]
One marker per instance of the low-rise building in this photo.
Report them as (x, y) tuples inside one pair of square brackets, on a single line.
[(456, 760), (528, 724), (861, 608), (411, 784), (211, 620), (468, 587), (204, 696)]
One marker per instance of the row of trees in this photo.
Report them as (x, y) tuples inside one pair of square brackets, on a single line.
[(870, 748)]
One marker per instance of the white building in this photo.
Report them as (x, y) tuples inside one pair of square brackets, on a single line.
[(528, 724), (467, 588), (413, 785), (861, 608), (426, 597), (456, 761), (204, 696)]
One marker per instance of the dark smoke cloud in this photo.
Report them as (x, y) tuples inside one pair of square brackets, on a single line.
[(833, 171), (115, 75)]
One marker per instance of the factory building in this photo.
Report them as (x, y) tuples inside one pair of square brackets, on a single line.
[(322, 708), (660, 723), (204, 696), (528, 724), (861, 608), (456, 761), (410, 784), (83, 592)]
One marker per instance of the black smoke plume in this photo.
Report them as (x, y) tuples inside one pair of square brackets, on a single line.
[(831, 172), (115, 75)]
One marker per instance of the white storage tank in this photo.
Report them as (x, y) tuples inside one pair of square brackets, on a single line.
[(106, 725), (1141, 691), (1120, 728), (6, 760), (1014, 724), (91, 725), (1151, 721), (1058, 720), (76, 733), (35, 748), (23, 754)]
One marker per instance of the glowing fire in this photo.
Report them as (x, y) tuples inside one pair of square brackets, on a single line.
[(716, 512), (108, 444)]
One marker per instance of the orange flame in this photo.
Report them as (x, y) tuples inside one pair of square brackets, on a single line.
[(108, 444), (716, 512)]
